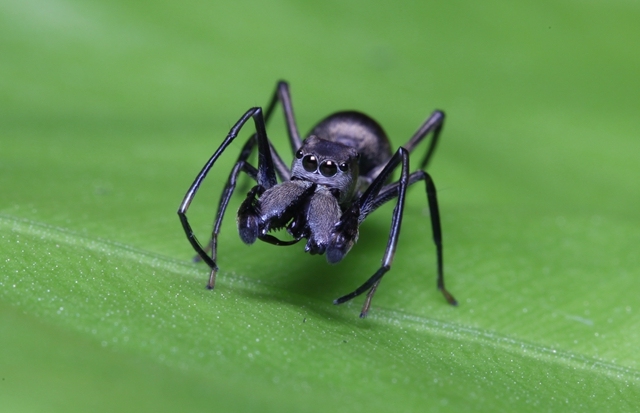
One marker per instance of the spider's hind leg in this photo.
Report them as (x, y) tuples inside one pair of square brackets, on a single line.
[(434, 123)]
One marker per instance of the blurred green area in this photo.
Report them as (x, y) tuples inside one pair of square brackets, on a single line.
[(109, 109)]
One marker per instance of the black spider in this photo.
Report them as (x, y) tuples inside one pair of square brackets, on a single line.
[(339, 176)]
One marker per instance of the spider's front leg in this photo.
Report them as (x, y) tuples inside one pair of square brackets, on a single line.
[(265, 176), (365, 205)]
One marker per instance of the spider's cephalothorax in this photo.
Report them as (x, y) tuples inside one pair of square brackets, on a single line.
[(339, 175), (323, 180)]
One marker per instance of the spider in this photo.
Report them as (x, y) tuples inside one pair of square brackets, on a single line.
[(340, 174)]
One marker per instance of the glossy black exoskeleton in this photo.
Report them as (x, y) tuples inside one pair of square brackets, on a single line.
[(340, 174)]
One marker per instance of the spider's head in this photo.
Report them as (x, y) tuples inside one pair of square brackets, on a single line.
[(327, 163)]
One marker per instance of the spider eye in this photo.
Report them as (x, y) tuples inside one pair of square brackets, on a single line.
[(310, 163), (344, 167), (299, 154), (328, 168)]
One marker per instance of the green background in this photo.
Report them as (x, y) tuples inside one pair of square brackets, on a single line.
[(109, 109)]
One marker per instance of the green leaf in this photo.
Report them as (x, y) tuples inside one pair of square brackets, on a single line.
[(110, 109)]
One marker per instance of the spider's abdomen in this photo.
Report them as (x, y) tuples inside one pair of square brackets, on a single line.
[(358, 131)]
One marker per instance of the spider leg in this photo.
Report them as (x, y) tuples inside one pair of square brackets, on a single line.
[(240, 165), (265, 176), (283, 96), (383, 195), (365, 205), (391, 191), (434, 123)]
